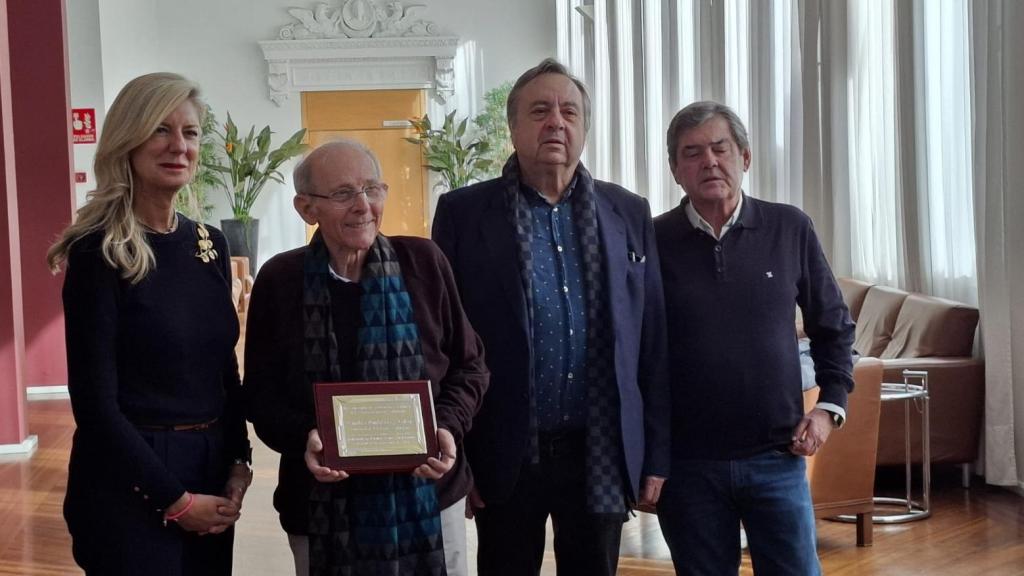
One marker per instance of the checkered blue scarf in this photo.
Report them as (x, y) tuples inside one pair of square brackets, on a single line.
[(605, 461)]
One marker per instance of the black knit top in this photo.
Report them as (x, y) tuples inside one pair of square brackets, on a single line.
[(159, 352)]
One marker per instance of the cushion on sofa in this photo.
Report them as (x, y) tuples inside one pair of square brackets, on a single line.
[(854, 292), (932, 327), (877, 320)]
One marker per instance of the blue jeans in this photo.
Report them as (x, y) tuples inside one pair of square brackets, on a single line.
[(704, 501)]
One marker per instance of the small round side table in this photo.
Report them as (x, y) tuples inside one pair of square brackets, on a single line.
[(913, 390)]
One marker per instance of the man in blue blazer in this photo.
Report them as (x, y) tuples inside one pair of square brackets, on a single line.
[(559, 275)]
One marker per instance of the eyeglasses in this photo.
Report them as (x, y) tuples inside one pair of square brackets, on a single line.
[(345, 197)]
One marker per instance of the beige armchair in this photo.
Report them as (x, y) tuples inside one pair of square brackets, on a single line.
[(842, 473), (241, 287), (241, 283)]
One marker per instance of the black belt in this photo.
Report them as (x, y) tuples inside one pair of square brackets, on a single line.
[(177, 427), (561, 444)]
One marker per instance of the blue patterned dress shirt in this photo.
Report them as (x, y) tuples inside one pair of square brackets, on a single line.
[(559, 315)]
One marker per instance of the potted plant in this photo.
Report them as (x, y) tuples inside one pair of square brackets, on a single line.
[(249, 164), (193, 200), (493, 126), (458, 158)]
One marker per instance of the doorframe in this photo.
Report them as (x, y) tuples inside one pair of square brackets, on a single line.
[(331, 64)]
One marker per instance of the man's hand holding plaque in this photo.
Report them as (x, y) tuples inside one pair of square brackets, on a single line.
[(377, 427), (437, 467), (433, 469), (314, 450)]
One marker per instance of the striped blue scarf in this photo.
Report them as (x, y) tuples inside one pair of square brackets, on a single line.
[(379, 524)]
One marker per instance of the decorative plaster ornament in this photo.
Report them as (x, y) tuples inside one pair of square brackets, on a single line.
[(360, 45), (358, 19)]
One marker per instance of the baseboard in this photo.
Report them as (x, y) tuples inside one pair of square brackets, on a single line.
[(45, 390), (28, 446)]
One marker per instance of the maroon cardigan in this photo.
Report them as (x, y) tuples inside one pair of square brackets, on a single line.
[(280, 404)]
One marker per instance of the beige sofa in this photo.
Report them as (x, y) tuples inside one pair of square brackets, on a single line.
[(918, 332)]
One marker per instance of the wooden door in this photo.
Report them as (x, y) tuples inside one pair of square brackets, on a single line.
[(378, 119)]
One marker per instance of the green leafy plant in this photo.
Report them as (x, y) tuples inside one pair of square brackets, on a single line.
[(493, 126), (250, 163), (460, 159), (193, 200)]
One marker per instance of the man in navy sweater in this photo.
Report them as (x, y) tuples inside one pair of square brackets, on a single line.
[(734, 268)]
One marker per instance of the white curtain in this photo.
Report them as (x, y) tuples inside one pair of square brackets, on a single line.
[(638, 58), (943, 153), (998, 89), (899, 136), (644, 61), (870, 144), (858, 112), (764, 73)]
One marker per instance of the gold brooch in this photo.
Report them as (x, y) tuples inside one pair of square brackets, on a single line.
[(206, 252)]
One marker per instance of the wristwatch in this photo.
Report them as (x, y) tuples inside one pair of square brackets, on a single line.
[(248, 468), (837, 419)]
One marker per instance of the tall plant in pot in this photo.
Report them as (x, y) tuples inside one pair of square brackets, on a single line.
[(458, 157), (492, 123), (194, 200), (244, 167), (467, 151)]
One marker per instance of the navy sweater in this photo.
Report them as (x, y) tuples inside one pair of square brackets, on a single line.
[(160, 352), (736, 388)]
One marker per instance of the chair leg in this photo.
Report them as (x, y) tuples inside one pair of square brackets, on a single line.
[(965, 475), (864, 529)]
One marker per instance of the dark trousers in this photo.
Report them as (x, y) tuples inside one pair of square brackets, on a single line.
[(511, 534), (115, 531)]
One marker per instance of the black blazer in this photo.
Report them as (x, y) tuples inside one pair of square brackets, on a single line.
[(472, 227)]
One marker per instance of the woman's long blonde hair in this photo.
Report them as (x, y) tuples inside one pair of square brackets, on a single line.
[(137, 111)]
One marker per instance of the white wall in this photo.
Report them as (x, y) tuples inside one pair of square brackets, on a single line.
[(85, 60), (509, 36), (219, 51), (129, 40), (214, 43)]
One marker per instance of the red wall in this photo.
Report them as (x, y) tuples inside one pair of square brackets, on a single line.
[(13, 426), (36, 201), (45, 169)]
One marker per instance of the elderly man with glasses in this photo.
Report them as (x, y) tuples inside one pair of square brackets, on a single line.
[(318, 314)]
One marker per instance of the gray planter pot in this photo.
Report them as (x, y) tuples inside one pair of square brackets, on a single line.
[(243, 238)]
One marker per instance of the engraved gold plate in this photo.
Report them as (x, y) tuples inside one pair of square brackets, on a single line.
[(379, 425), (376, 427)]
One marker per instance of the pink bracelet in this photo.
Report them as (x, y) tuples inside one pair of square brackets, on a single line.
[(174, 517)]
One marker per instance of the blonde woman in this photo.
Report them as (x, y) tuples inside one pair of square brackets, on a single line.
[(159, 462)]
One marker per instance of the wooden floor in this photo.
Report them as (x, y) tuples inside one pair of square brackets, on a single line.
[(976, 531)]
